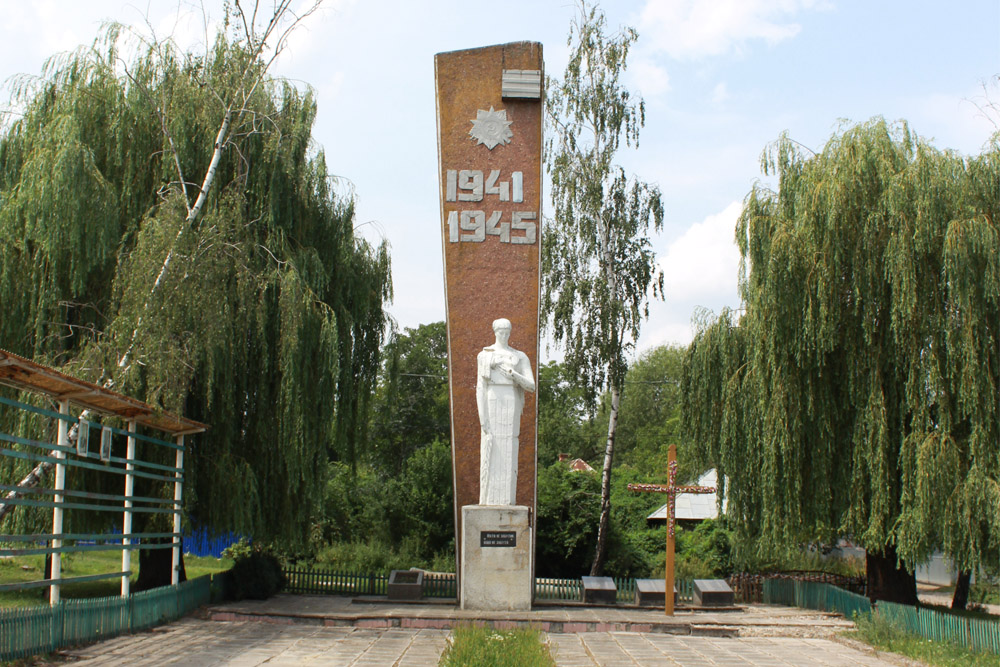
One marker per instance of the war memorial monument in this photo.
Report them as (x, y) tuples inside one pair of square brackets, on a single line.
[(489, 118)]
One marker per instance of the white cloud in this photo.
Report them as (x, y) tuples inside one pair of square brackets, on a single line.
[(720, 93), (650, 79), (702, 265), (698, 28), (664, 333)]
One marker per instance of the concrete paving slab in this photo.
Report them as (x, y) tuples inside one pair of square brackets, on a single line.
[(252, 644), (329, 630)]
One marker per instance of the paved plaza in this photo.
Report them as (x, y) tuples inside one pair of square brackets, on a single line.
[(201, 642)]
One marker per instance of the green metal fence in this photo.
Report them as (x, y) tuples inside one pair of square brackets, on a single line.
[(978, 634), (313, 581), (558, 589), (440, 585), (28, 631), (811, 595), (309, 581)]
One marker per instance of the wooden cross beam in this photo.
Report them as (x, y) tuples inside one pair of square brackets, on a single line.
[(672, 491)]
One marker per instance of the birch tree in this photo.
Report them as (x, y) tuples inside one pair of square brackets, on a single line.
[(598, 266), (857, 394), (168, 230)]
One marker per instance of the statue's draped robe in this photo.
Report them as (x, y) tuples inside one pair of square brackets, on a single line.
[(500, 400)]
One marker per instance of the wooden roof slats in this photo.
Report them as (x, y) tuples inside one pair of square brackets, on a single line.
[(16, 371)]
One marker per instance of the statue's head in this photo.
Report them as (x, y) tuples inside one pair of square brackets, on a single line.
[(502, 323)]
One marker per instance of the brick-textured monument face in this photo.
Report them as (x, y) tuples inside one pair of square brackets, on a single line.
[(489, 104)]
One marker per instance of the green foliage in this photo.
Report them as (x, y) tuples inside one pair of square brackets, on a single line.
[(410, 516), (376, 555), (410, 408), (424, 500), (238, 550), (650, 414), (262, 316), (486, 647), (568, 511), (706, 550), (985, 592), (565, 419), (256, 575), (635, 549), (858, 391)]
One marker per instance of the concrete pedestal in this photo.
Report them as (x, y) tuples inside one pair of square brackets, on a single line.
[(496, 558)]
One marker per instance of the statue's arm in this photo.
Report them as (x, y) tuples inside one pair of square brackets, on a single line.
[(481, 403), (522, 373)]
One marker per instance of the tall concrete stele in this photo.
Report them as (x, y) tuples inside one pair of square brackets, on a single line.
[(489, 118)]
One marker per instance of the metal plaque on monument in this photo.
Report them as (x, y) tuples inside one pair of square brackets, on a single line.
[(489, 119)]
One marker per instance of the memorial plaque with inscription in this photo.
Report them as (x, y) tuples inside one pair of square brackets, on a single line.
[(498, 538), (489, 118)]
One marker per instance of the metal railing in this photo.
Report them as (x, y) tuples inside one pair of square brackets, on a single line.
[(98, 454), (28, 631), (318, 581), (312, 581), (813, 595), (977, 634)]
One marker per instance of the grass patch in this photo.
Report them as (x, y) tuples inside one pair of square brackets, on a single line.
[(876, 631), (485, 647), (32, 568)]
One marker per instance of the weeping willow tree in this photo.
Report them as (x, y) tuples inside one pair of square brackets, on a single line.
[(168, 230), (857, 393)]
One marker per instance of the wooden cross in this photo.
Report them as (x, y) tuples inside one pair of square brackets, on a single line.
[(672, 491)]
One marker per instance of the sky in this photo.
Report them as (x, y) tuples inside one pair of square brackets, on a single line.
[(721, 79)]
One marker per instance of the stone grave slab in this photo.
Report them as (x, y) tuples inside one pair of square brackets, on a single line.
[(405, 585), (713, 593), (599, 590), (652, 592)]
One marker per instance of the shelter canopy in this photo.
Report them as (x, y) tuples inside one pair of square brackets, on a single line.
[(21, 373)]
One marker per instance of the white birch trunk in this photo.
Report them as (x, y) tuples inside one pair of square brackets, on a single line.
[(609, 453)]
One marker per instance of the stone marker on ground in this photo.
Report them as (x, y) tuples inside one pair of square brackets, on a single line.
[(713, 593), (599, 590), (652, 592), (405, 585), (672, 491), (489, 103)]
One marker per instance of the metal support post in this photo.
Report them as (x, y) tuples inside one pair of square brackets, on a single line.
[(127, 516), (175, 572), (57, 511)]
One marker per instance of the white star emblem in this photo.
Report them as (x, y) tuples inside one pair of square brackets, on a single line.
[(491, 128)]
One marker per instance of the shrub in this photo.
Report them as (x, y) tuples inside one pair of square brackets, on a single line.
[(256, 575)]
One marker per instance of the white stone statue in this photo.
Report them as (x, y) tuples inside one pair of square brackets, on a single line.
[(503, 375)]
